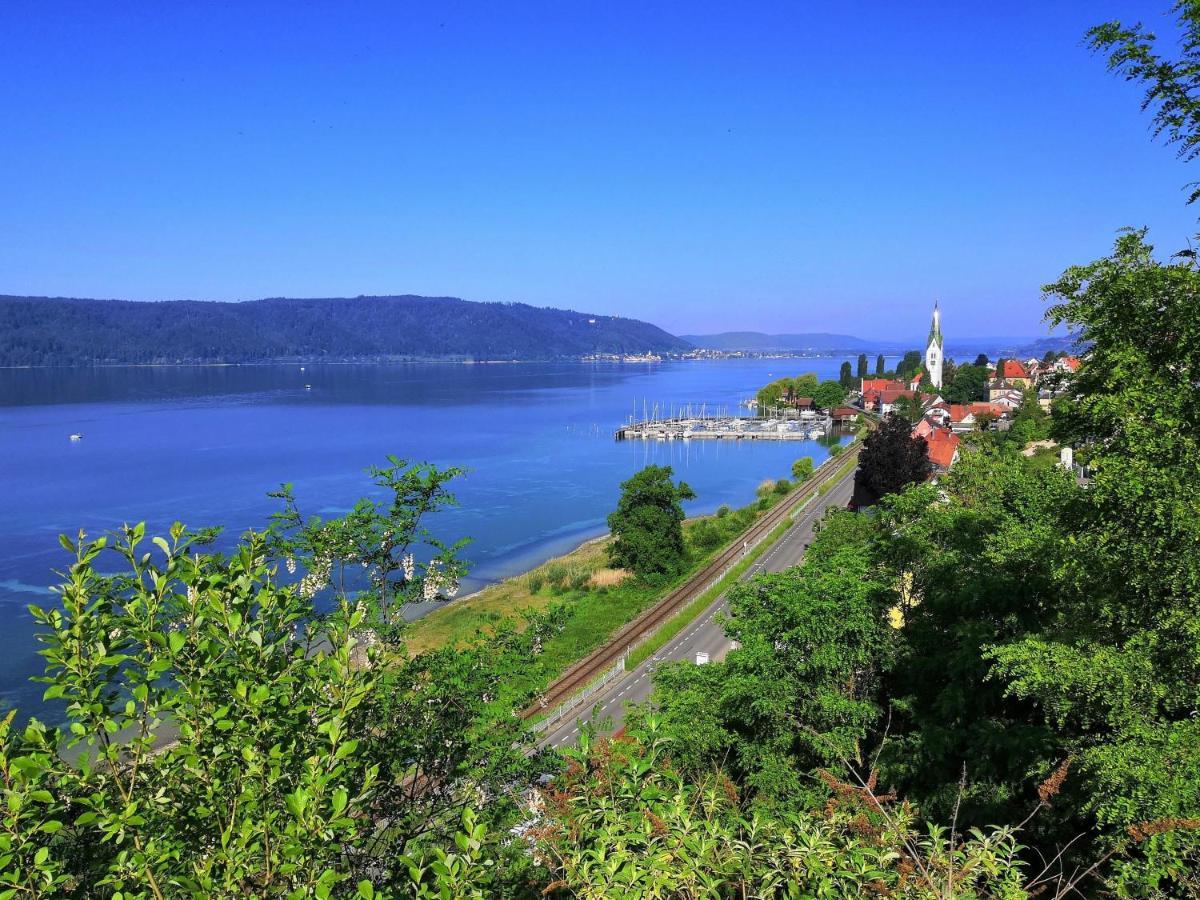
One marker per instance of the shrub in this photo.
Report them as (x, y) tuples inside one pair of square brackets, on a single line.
[(765, 487), (580, 580), (556, 575), (536, 581), (782, 486), (722, 510)]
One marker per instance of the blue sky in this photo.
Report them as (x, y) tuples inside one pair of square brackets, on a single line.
[(781, 167)]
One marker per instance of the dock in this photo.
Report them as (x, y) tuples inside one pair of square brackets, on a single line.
[(806, 427)]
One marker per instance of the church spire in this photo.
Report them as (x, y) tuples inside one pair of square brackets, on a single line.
[(933, 350)]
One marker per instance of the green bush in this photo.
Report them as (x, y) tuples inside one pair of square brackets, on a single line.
[(782, 486), (536, 581), (722, 510)]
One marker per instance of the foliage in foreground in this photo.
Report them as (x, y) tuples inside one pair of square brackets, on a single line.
[(230, 740), (623, 821)]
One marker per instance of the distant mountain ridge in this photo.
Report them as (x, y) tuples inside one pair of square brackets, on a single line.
[(823, 342), (757, 341), (64, 331)]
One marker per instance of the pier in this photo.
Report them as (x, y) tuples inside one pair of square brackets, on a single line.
[(807, 426)]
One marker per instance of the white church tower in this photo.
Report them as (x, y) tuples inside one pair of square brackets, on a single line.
[(933, 352)]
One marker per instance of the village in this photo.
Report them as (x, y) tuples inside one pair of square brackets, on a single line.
[(944, 402)]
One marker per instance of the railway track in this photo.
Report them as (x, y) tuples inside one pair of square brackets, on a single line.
[(596, 663)]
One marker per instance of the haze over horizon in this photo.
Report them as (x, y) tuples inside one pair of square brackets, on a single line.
[(763, 169)]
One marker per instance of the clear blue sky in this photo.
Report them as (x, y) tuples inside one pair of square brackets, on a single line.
[(782, 167)]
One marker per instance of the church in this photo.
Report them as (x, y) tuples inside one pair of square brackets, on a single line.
[(933, 349)]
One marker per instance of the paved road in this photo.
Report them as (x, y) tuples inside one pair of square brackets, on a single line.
[(703, 634)]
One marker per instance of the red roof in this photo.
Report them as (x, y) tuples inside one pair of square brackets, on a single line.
[(924, 428), (891, 395), (881, 384), (942, 444), (844, 412), (1071, 362), (1013, 369)]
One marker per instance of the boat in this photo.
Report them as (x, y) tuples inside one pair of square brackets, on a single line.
[(78, 436)]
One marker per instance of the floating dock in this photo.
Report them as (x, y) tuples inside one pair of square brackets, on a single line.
[(730, 428)]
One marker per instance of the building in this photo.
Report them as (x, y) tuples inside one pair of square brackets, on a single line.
[(1014, 372), (943, 448), (933, 350)]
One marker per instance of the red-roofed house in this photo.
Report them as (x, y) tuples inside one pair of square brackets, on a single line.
[(881, 384), (1014, 372), (887, 399), (943, 448), (1068, 364)]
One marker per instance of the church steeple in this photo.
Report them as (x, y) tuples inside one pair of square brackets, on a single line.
[(933, 350), (935, 328)]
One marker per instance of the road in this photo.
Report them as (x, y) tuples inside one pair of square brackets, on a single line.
[(703, 633)]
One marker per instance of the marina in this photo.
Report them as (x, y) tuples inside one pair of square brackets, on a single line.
[(806, 426)]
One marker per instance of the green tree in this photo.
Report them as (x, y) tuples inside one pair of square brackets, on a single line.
[(911, 409), (846, 376), (800, 692), (1030, 422), (968, 386), (880, 366), (1115, 671), (802, 469), (972, 559), (891, 459), (828, 395), (647, 525), (862, 365), (982, 361), (910, 365)]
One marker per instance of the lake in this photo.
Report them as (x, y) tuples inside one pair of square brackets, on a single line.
[(203, 445)]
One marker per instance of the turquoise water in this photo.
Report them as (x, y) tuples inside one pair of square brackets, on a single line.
[(203, 445)]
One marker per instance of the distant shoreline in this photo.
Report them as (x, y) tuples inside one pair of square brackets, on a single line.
[(437, 360)]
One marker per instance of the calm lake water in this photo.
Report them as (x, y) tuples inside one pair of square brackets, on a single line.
[(203, 445)]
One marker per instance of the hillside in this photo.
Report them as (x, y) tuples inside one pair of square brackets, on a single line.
[(759, 342), (65, 331)]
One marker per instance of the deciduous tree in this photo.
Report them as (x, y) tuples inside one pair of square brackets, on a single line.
[(647, 525)]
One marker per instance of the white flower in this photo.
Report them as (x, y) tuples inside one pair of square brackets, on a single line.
[(409, 567), (316, 578), (291, 565)]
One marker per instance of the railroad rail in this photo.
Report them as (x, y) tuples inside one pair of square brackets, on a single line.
[(585, 671)]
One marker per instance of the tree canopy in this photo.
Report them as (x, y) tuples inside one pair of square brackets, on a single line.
[(647, 525)]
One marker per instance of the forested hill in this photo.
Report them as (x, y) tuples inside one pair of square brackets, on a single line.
[(62, 331)]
